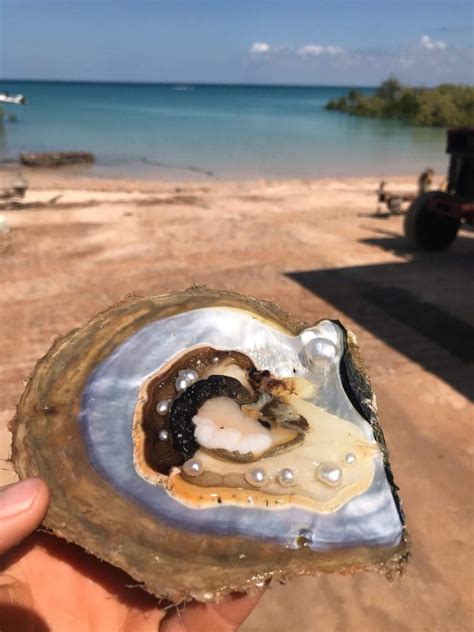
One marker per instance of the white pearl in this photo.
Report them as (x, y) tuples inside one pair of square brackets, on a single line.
[(286, 477), (320, 350), (256, 477), (350, 458), (192, 467), (215, 360), (190, 376), (163, 435), (163, 406), (181, 384), (329, 473)]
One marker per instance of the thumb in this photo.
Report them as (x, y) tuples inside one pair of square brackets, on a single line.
[(22, 508)]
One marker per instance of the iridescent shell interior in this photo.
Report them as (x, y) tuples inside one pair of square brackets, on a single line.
[(221, 419)]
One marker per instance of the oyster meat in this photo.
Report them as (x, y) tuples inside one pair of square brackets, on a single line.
[(204, 442)]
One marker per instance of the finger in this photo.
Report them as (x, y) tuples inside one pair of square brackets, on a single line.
[(203, 617), (22, 508)]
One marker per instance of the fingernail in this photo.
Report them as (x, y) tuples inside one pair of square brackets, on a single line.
[(19, 497)]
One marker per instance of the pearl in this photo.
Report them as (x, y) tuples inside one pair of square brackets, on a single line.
[(329, 473), (198, 362), (320, 350), (192, 467), (350, 458), (181, 383), (163, 435), (185, 378), (163, 406), (190, 376), (256, 477), (215, 360), (286, 477)]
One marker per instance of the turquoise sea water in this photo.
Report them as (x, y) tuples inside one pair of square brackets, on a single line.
[(230, 131)]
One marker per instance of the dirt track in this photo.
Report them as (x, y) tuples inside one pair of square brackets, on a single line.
[(413, 315)]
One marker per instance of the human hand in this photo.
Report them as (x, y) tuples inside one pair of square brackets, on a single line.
[(48, 585)]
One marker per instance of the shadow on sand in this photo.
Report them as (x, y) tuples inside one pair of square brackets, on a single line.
[(423, 306)]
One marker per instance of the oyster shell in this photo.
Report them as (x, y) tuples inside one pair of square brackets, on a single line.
[(204, 441)]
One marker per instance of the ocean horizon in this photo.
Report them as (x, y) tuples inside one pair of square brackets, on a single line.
[(184, 130)]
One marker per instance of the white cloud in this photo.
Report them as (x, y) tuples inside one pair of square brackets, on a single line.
[(429, 44), (259, 48), (426, 60), (334, 50), (315, 50), (304, 52)]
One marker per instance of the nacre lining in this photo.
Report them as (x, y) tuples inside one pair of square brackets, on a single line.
[(111, 394)]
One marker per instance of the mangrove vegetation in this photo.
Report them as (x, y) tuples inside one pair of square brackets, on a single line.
[(447, 105)]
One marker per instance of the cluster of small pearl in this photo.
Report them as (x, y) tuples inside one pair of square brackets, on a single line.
[(185, 378), (331, 473), (162, 408), (257, 477)]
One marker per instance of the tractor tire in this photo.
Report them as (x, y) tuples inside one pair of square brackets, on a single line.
[(425, 230)]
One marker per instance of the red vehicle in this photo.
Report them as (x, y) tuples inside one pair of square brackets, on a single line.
[(433, 219)]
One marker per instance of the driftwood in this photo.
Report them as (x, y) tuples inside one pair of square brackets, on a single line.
[(56, 158), (17, 205)]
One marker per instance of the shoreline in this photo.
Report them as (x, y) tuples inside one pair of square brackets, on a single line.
[(146, 170), (79, 177)]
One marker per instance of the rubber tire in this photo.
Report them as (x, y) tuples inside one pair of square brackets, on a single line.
[(426, 230)]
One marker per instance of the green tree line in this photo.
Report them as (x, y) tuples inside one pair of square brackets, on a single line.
[(447, 105)]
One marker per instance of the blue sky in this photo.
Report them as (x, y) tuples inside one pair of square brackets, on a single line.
[(261, 41)]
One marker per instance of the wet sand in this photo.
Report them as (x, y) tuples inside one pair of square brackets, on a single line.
[(315, 248)]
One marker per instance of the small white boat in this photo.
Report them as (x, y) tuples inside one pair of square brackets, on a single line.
[(16, 99)]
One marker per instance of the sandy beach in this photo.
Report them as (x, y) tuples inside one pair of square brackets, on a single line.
[(316, 248)]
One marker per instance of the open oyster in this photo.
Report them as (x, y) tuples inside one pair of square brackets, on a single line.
[(204, 441)]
